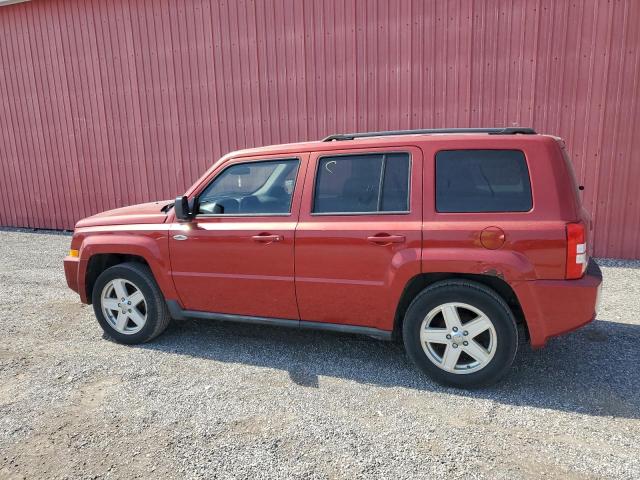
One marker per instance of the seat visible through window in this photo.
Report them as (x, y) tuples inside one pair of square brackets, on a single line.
[(352, 184)]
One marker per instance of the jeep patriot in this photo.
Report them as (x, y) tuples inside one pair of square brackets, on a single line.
[(459, 242)]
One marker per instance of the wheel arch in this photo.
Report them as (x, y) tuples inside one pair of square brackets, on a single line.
[(99, 251), (99, 262), (421, 281)]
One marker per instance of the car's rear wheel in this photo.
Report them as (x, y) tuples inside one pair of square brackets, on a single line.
[(461, 333), (128, 304)]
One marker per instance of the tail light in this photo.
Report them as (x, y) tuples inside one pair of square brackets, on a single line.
[(576, 250)]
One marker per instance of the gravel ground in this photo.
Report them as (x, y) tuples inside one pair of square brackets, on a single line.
[(209, 399)]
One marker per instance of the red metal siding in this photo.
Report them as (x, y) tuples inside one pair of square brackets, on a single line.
[(110, 102)]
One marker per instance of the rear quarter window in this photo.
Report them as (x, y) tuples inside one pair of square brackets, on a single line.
[(475, 181)]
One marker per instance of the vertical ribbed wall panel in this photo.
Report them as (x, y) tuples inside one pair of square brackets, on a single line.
[(110, 102)]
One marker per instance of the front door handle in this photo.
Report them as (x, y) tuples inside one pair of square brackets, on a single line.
[(267, 238), (384, 239)]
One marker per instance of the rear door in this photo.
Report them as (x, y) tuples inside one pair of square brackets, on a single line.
[(359, 235)]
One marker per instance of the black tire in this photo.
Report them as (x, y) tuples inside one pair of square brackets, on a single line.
[(157, 314), (475, 295)]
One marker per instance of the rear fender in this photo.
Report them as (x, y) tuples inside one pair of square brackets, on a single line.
[(509, 265)]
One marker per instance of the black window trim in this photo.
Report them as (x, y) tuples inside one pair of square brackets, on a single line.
[(244, 215), (361, 153), (511, 212)]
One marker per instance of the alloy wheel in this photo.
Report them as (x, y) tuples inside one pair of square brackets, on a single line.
[(458, 338), (124, 306)]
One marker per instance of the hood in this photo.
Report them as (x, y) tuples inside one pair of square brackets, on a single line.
[(152, 212)]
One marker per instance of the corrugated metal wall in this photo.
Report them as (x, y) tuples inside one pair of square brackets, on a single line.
[(110, 102)]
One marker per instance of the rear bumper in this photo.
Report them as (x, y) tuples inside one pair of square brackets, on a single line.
[(554, 307)]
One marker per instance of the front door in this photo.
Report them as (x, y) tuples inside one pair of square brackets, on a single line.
[(358, 241), (236, 256)]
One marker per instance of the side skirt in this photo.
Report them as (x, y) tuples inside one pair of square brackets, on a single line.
[(178, 313)]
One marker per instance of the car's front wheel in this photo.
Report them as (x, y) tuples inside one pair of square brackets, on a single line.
[(128, 303), (461, 333)]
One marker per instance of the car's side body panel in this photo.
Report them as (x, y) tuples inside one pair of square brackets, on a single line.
[(219, 267), (218, 264), (534, 241), (341, 276), (532, 257), (148, 241), (326, 270)]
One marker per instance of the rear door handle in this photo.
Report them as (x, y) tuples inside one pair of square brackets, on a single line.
[(267, 238), (384, 239)]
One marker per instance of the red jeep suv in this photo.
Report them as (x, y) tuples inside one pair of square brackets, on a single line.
[(457, 241)]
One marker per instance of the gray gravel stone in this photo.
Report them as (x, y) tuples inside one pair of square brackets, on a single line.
[(219, 400)]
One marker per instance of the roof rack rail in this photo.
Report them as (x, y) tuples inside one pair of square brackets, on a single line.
[(490, 131)]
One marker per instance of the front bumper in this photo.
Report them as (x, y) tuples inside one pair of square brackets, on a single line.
[(71, 268), (554, 307)]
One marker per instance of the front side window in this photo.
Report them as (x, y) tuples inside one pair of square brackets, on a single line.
[(482, 181), (369, 183), (258, 188)]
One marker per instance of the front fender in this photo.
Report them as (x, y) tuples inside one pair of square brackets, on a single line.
[(151, 245)]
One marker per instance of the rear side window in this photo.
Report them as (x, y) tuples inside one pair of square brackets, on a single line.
[(369, 183), (482, 181)]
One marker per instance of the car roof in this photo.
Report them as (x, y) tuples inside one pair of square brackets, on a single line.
[(386, 140)]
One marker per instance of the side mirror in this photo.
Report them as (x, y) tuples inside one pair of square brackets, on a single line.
[(183, 209)]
